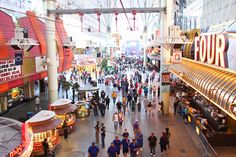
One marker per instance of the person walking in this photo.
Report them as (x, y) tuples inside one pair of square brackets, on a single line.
[(112, 151), (93, 150), (145, 90), (149, 108), (103, 135), (65, 130), (37, 103), (135, 126), (125, 144), (103, 109), (114, 96), (139, 106), (97, 130), (152, 144), (119, 105), (45, 147), (121, 118), (168, 134), (103, 94), (125, 133), (135, 96), (115, 119), (176, 102), (133, 148), (129, 98), (95, 108), (124, 99), (154, 90), (107, 102), (117, 142), (139, 140), (163, 142), (124, 108)]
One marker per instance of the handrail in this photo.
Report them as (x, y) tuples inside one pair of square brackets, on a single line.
[(210, 152)]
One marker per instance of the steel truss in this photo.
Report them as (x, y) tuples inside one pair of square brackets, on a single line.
[(107, 10)]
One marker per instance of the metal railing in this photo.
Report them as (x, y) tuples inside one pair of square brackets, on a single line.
[(209, 150)]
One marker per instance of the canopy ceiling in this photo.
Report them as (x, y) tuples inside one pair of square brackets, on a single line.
[(148, 19)]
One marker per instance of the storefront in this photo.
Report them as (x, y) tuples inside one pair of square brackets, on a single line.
[(86, 63), (17, 81), (65, 111), (16, 138), (44, 125), (153, 62), (208, 88)]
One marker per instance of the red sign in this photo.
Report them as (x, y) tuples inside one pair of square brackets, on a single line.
[(165, 78), (17, 151), (177, 55), (212, 49), (86, 62)]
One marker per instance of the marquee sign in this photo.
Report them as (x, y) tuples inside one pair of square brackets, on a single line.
[(212, 49), (86, 62), (9, 71)]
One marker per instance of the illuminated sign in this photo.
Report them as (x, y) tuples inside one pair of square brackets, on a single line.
[(25, 148), (212, 49), (86, 62), (165, 78), (17, 151), (8, 70)]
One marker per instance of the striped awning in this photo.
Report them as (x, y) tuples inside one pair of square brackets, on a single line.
[(218, 85)]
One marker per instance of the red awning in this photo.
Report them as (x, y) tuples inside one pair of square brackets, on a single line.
[(65, 110), (50, 125)]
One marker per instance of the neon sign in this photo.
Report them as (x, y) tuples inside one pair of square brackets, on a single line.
[(212, 49), (17, 151)]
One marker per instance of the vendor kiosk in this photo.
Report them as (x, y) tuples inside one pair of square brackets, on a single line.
[(88, 93), (83, 109), (65, 111), (44, 125), (16, 138)]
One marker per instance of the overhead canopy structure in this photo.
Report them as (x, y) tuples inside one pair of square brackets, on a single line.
[(218, 85), (107, 10)]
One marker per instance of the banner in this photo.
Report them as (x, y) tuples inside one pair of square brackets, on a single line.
[(18, 58), (165, 78)]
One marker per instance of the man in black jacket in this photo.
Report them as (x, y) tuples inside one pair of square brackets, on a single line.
[(152, 144)]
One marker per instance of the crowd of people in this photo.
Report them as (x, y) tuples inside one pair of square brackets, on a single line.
[(131, 145), (134, 93)]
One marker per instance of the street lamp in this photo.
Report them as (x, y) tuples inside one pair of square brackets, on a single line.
[(21, 41), (69, 43)]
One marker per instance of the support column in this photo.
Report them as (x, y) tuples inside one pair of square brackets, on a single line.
[(144, 49), (167, 19), (51, 52)]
